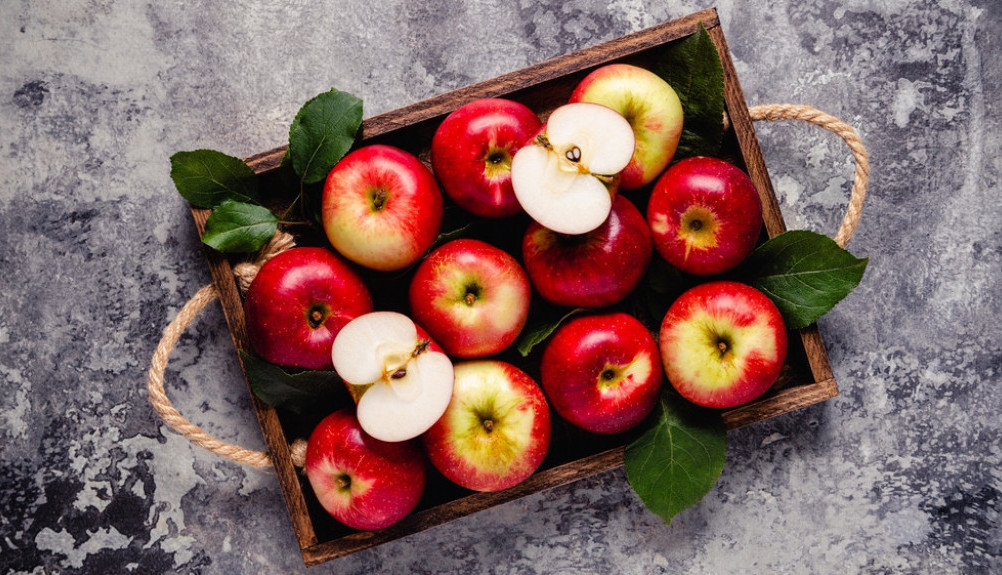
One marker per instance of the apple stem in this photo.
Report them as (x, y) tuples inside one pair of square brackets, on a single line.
[(488, 425), (378, 199), (343, 482), (696, 225)]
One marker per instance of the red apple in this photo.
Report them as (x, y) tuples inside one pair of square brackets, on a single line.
[(299, 300), (650, 105), (496, 430), (602, 372), (382, 207), (590, 270), (472, 297), (362, 482), (705, 215), (723, 344), (471, 154)]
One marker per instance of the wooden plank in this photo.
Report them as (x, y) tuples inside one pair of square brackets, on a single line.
[(271, 428)]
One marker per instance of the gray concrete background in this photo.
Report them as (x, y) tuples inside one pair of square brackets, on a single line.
[(899, 474)]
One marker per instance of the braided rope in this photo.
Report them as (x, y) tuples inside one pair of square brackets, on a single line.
[(777, 112), (246, 271), (172, 334)]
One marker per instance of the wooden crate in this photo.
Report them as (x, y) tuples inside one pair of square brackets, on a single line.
[(542, 87)]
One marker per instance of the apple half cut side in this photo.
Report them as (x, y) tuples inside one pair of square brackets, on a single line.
[(401, 385), (566, 177)]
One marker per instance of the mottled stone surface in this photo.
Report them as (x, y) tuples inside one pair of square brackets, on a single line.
[(901, 473)]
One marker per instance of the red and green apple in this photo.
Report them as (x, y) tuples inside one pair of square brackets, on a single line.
[(381, 207), (496, 430), (723, 344)]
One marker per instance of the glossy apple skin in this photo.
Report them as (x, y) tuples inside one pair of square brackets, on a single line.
[(291, 287), (705, 215), (602, 372), (591, 270), (382, 208), (460, 446), (722, 344), (650, 105), (471, 154), (362, 482), (472, 297)]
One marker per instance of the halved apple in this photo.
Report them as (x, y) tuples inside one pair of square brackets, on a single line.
[(566, 178), (401, 385)]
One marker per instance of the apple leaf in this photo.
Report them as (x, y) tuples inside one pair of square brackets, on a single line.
[(538, 333), (322, 133), (804, 273), (207, 178), (239, 227), (303, 392), (692, 68), (678, 458)]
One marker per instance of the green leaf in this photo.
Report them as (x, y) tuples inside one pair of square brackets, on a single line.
[(804, 273), (207, 178), (538, 333), (692, 67), (304, 392), (322, 133), (239, 227), (678, 458)]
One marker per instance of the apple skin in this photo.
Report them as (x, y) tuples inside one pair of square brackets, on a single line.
[(602, 372), (381, 207), (650, 105), (723, 344), (362, 482), (471, 154), (472, 297), (705, 215), (492, 456), (298, 302), (591, 270)]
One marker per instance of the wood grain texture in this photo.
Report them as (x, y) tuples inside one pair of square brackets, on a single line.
[(542, 87)]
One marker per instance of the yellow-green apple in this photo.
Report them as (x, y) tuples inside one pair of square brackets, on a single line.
[(298, 302), (362, 482), (652, 108), (472, 149), (381, 207), (472, 297), (496, 431), (705, 215), (602, 372), (400, 384), (723, 344), (590, 270), (566, 177)]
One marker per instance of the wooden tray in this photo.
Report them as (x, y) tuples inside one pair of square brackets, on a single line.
[(542, 87)]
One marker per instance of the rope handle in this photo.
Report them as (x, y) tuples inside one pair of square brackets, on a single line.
[(282, 241)]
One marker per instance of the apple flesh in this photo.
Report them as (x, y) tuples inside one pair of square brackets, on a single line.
[(472, 150), (382, 208), (472, 297), (722, 344), (652, 108), (566, 178), (705, 215), (496, 431), (602, 372), (362, 482), (401, 386), (591, 270), (298, 302)]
